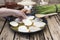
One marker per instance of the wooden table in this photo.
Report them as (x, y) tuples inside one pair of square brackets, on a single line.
[(51, 32)]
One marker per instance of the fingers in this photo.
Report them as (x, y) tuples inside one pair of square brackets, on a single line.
[(19, 13), (23, 15)]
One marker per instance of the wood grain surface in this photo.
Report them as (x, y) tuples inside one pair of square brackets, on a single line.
[(51, 31)]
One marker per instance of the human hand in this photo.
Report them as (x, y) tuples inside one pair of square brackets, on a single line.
[(8, 12), (19, 14)]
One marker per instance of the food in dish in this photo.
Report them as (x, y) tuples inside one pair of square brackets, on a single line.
[(30, 17), (30, 24), (14, 24), (18, 20), (39, 24), (23, 29), (33, 29), (27, 22)]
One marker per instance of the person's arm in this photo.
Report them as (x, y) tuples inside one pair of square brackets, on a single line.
[(7, 12)]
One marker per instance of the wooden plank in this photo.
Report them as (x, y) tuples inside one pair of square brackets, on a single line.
[(59, 1), (55, 23), (1, 24), (34, 36), (18, 1), (31, 36), (1, 2), (19, 36), (9, 0), (7, 34), (57, 17), (53, 1), (37, 36), (47, 34), (37, 1), (46, 0), (54, 28)]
